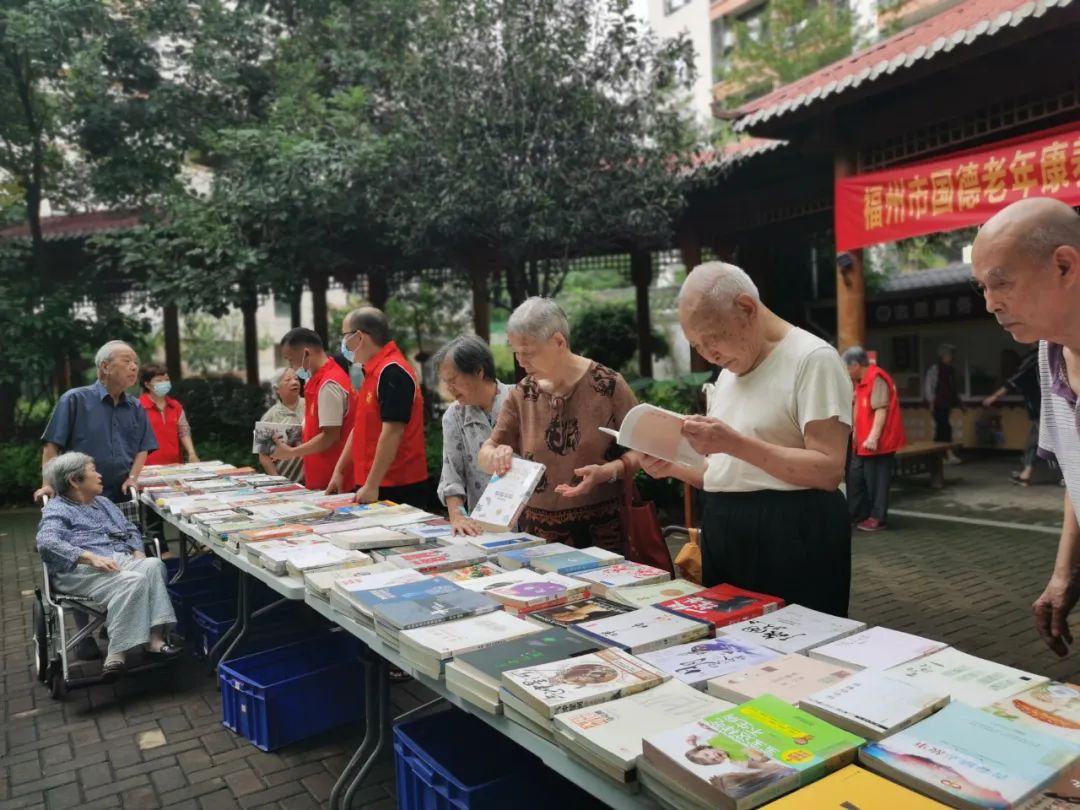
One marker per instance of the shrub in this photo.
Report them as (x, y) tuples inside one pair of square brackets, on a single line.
[(221, 409), (20, 472)]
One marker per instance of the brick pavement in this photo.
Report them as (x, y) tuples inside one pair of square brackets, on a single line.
[(968, 585)]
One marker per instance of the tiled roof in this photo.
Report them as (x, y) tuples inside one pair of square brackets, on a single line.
[(75, 226), (733, 153), (947, 276), (957, 26)]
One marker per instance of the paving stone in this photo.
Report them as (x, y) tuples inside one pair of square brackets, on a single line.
[(166, 779), (66, 796), (274, 794), (143, 798), (221, 800), (243, 783)]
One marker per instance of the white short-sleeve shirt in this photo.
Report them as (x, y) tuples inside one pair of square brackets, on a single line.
[(802, 380)]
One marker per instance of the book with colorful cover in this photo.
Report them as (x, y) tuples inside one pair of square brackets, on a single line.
[(495, 543), (345, 592), (452, 639), (276, 532), (406, 614), (561, 686), (852, 788), (441, 559), (273, 554), (320, 583), (613, 731), (285, 510), (323, 555), (548, 589), (873, 704), (723, 605), (695, 663), (788, 677), (505, 496), (1052, 708), (649, 595), (1061, 794), (498, 580), (571, 562), (793, 629), (966, 678), (622, 574), (472, 572), (967, 758), (428, 529), (876, 648), (645, 629), (523, 558), (573, 614), (745, 756), (367, 599)]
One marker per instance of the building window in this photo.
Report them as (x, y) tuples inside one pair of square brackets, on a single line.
[(671, 6), (725, 35)]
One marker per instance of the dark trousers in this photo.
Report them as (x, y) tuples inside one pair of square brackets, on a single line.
[(1031, 447), (795, 545), (868, 486), (942, 425), (412, 494)]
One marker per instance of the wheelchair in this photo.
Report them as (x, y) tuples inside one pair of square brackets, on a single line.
[(55, 664)]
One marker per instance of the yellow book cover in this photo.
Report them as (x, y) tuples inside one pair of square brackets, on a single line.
[(852, 787)]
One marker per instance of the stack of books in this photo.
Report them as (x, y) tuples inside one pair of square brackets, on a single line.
[(432, 561), (788, 677), (546, 591), (622, 575), (793, 629), (345, 592), (322, 556), (574, 614), (699, 661), (320, 583), (573, 562), (495, 543), (644, 630), (524, 558), (430, 648), (966, 678), (722, 605), (876, 648), (650, 595), (434, 605), (370, 537), (273, 554)]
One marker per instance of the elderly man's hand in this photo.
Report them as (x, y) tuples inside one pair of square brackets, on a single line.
[(44, 491), (283, 450), (1051, 611), (106, 564), (708, 435)]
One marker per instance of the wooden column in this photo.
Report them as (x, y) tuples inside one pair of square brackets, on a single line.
[(320, 321), (641, 273), (295, 297), (690, 253), (378, 290), (850, 280), (251, 338), (479, 279), (171, 328)]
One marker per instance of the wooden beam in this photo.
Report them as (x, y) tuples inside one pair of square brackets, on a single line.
[(641, 273), (850, 280), (251, 338), (171, 327), (479, 279), (690, 252)]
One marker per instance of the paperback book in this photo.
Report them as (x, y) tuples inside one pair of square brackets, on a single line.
[(657, 432), (873, 704), (788, 677), (441, 559), (793, 629), (723, 605), (649, 595), (573, 614), (321, 556), (851, 788), (876, 648), (571, 562), (498, 580), (320, 583), (473, 572), (523, 558), (429, 647), (622, 574), (505, 496), (644, 630), (966, 678), (1061, 794), (494, 543), (695, 663), (406, 614), (371, 538), (1052, 708), (545, 591)]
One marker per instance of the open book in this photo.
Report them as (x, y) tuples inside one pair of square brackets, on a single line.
[(265, 433), (657, 433)]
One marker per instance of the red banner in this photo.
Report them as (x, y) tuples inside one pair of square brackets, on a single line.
[(957, 191)]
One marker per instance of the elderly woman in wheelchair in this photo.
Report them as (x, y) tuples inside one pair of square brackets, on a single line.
[(91, 551)]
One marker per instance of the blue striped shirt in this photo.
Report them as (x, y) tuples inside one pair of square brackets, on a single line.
[(68, 529)]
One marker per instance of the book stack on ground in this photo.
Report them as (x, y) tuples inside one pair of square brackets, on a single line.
[(429, 648), (608, 736), (743, 757), (966, 678), (876, 648), (722, 605), (576, 613), (851, 788), (394, 616), (432, 561), (532, 695), (649, 595), (524, 558), (967, 758), (788, 677), (321, 583), (476, 676), (572, 562), (644, 630), (546, 591), (695, 663), (622, 575), (793, 629), (345, 592)]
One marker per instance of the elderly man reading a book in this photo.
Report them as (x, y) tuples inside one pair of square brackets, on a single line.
[(776, 434), (553, 417)]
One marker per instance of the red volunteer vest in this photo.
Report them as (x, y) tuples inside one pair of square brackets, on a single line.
[(410, 464), (166, 425), (319, 467), (892, 435)]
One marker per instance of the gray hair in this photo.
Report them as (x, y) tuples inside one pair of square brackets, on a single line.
[(470, 354), (275, 379), (372, 322), (105, 353), (64, 470), (856, 354), (539, 319), (721, 283)]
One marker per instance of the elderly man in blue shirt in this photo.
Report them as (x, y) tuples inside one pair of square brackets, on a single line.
[(92, 550)]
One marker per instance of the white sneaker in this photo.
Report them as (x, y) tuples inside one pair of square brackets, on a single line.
[(952, 458)]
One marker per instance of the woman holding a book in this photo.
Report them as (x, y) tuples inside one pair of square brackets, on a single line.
[(776, 436), (288, 410), (553, 417)]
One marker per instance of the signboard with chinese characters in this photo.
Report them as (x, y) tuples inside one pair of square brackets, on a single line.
[(958, 191), (930, 306)]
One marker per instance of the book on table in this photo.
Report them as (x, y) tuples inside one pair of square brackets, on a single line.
[(966, 678), (440, 559), (657, 432), (391, 553), (495, 543), (573, 614), (561, 686), (873, 704), (321, 556), (1061, 794), (722, 605), (788, 677), (273, 555), (319, 583), (472, 572), (1052, 708), (793, 629), (348, 589), (967, 758), (395, 615), (571, 562), (649, 595), (497, 580), (431, 528), (876, 648), (745, 756), (371, 537), (505, 496), (851, 788), (522, 713), (385, 516), (645, 629), (429, 647), (523, 558), (548, 590), (695, 663), (622, 574), (285, 510), (365, 600)]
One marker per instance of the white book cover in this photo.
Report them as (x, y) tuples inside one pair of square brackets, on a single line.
[(506, 495), (561, 686), (455, 638), (622, 574), (501, 580), (323, 555), (371, 537), (966, 678), (546, 588), (695, 663), (286, 510), (877, 648), (433, 527), (265, 434), (645, 629), (617, 727), (649, 595), (272, 554), (320, 582), (872, 704), (494, 543), (348, 586), (792, 629), (789, 677), (657, 432)]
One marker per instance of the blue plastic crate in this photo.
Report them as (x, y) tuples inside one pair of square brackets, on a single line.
[(188, 594), (205, 565), (291, 692), (212, 621)]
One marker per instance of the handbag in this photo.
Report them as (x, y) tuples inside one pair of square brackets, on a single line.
[(688, 560), (644, 540)]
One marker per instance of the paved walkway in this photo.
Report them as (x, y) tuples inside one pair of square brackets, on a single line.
[(158, 741)]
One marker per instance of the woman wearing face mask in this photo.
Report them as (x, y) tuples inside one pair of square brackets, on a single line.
[(167, 418)]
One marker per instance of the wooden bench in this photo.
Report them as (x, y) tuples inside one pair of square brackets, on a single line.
[(924, 457)]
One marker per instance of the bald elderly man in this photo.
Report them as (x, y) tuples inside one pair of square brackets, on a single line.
[(1026, 263)]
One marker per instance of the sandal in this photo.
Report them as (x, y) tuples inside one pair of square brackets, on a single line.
[(167, 651), (113, 670)]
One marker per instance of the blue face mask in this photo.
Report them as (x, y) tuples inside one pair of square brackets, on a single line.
[(162, 388), (346, 352), (302, 373)]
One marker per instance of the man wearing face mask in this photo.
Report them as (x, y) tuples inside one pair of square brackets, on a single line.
[(329, 408)]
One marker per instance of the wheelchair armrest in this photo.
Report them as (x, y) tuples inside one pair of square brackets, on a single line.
[(152, 547)]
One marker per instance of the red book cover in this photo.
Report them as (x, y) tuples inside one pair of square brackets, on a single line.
[(722, 605)]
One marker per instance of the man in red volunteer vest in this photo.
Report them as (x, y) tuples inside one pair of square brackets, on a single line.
[(877, 433), (386, 454), (329, 408)]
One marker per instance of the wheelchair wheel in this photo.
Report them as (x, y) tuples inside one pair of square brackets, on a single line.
[(41, 642), (57, 687)]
